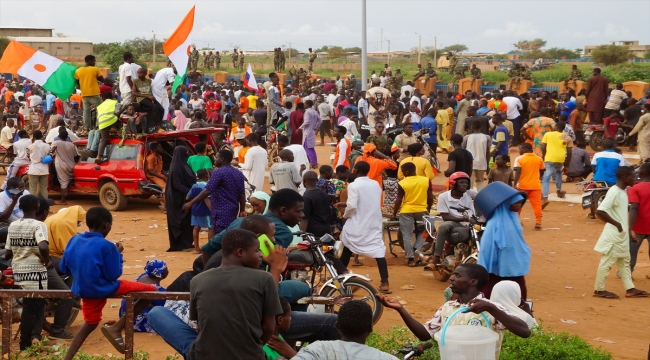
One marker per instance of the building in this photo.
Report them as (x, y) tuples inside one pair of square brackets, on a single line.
[(24, 31), (638, 50), (64, 48)]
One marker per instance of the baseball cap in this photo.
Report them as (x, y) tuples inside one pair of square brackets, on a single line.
[(240, 135)]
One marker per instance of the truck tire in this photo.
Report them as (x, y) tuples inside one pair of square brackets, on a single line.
[(111, 198)]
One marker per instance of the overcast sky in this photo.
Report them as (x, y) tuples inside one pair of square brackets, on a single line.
[(484, 26)]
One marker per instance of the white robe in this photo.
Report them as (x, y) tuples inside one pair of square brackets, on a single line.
[(159, 87), (299, 158), (254, 166), (362, 233)]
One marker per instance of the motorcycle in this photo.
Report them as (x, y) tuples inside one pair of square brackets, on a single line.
[(595, 134), (421, 134), (593, 193), (310, 264), (462, 246)]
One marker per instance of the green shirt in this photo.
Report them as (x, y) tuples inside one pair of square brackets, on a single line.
[(270, 353), (198, 162)]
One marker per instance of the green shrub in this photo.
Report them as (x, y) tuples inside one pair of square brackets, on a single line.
[(541, 345)]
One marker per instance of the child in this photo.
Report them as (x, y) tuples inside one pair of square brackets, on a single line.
[(200, 210), (613, 243), (131, 119), (529, 168), (502, 172), (276, 348), (96, 265), (200, 160), (154, 272)]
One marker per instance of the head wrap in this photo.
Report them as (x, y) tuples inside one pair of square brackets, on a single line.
[(155, 268), (261, 195)]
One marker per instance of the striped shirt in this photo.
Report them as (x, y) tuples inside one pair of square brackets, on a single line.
[(615, 99), (23, 238)]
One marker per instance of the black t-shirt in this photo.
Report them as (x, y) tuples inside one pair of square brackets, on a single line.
[(483, 120), (463, 159), (317, 211), (229, 304), (633, 114), (260, 118)]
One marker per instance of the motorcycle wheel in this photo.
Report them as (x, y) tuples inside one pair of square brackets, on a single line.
[(598, 199), (596, 142), (360, 290), (441, 275)]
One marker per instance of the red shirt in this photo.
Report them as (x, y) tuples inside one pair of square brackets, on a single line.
[(612, 126), (104, 88), (640, 194), (209, 107), (59, 106)]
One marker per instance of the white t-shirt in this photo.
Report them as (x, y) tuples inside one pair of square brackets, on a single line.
[(446, 201), (20, 149), (5, 202), (24, 110), (383, 80), (330, 100), (196, 104), (406, 88), (514, 105), (6, 136), (340, 350), (125, 70), (54, 132), (380, 96), (477, 145), (35, 100), (37, 151)]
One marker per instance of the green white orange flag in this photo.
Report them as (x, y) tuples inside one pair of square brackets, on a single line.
[(51, 73), (178, 47)]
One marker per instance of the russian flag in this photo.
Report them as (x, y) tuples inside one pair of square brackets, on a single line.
[(249, 79)]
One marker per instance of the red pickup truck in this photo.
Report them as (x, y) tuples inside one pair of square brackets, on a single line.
[(121, 175)]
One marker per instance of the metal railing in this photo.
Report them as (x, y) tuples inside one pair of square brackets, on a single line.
[(8, 295)]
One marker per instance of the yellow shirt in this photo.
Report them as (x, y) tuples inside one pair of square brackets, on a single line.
[(413, 190), (252, 101), (422, 167), (556, 146), (87, 77), (510, 127)]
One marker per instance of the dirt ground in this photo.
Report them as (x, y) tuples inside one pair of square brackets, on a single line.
[(560, 282)]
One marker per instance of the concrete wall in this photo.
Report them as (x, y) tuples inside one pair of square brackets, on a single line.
[(17, 32), (67, 50)]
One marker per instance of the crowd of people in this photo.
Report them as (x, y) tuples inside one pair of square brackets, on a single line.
[(383, 141)]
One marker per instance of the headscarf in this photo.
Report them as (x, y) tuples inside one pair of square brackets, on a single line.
[(508, 294), (62, 226), (261, 195), (155, 268), (504, 251), (179, 163)]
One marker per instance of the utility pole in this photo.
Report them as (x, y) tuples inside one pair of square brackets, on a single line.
[(289, 52), (364, 48), (381, 39), (388, 53), (153, 58), (435, 51), (419, 47)]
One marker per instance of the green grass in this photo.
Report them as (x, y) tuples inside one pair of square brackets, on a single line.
[(543, 344)]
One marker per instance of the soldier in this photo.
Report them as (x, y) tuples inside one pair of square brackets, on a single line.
[(514, 76), (526, 74), (429, 73), (194, 58), (241, 60), (209, 60), (283, 59), (312, 57), (399, 79), (234, 58), (419, 74), (276, 59), (303, 79), (294, 76), (217, 60), (351, 83), (476, 74), (576, 75)]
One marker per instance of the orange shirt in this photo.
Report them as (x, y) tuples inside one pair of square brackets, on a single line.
[(77, 98), (377, 166), (153, 162), (498, 104), (8, 95), (242, 154), (243, 105), (233, 141), (347, 153), (529, 166)]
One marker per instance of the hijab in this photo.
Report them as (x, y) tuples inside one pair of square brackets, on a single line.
[(261, 195), (508, 294), (179, 165)]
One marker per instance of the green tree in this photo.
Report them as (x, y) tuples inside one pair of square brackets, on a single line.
[(113, 56), (322, 49), (611, 54), (336, 52), (99, 48), (352, 49), (293, 53), (142, 45), (536, 54), (530, 45), (646, 55), (456, 48), (4, 42), (559, 53)]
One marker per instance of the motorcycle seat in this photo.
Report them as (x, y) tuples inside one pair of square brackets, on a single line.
[(301, 257), (458, 235)]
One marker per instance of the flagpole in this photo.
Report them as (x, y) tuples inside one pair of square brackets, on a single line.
[(364, 48)]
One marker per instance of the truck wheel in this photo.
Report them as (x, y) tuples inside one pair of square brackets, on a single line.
[(111, 198)]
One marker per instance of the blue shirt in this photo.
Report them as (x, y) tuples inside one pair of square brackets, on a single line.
[(606, 163), (49, 99), (200, 208), (571, 105), (482, 111), (504, 148), (429, 122), (283, 236), (95, 265)]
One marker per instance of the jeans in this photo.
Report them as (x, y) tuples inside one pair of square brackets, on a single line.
[(635, 246), (442, 233), (172, 329), (87, 101), (93, 140), (516, 127), (63, 306), (292, 290), (310, 327), (407, 226), (554, 170), (38, 185)]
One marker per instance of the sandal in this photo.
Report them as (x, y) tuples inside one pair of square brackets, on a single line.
[(358, 263), (117, 342), (606, 295), (410, 263), (538, 226), (384, 291), (591, 216), (639, 294)]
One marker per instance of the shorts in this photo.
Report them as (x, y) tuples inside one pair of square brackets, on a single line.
[(201, 221), (92, 308)]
